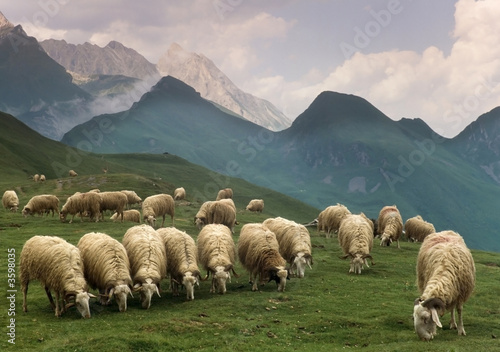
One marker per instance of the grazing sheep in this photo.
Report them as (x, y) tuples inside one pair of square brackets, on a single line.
[(330, 218), (42, 178), (416, 229), (158, 205), (10, 200), (132, 215), (182, 260), (59, 267), (148, 261), (132, 197), (294, 243), (36, 177), (83, 204), (179, 193), (72, 173), (106, 267), (256, 205), (217, 255), (446, 277), (114, 201), (224, 194), (222, 212), (200, 219), (389, 225), (41, 204), (356, 240), (258, 251)]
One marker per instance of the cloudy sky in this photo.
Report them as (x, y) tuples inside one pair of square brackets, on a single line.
[(436, 60)]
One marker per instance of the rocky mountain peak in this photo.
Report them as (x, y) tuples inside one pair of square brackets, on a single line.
[(4, 22)]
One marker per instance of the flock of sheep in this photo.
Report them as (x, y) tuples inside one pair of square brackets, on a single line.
[(270, 251), (445, 268)]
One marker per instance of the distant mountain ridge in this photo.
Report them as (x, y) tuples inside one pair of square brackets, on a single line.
[(203, 75)]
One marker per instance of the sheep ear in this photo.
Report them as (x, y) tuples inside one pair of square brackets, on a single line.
[(435, 317)]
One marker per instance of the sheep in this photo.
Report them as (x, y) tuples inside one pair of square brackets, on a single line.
[(158, 205), (294, 243), (132, 197), (114, 201), (182, 260), (36, 177), (72, 173), (224, 193), (179, 193), (148, 261), (128, 215), (82, 203), (42, 178), (10, 200), (222, 212), (200, 219), (356, 240), (258, 251), (446, 277), (58, 266), (416, 229), (41, 204), (217, 255), (389, 225), (106, 267), (255, 205), (330, 218)]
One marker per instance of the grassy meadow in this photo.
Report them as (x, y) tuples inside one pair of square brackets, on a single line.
[(328, 310)]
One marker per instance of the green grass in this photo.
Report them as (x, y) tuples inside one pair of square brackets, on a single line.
[(328, 310)]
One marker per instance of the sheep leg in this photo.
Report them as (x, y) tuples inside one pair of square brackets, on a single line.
[(461, 330), (58, 310), (163, 220), (49, 295), (24, 287), (398, 244)]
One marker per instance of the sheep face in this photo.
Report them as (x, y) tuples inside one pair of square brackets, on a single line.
[(219, 280), (151, 221), (425, 321), (26, 212), (14, 208), (357, 264), (385, 240), (199, 223), (82, 303), (280, 275), (147, 290), (120, 293), (189, 281), (300, 262)]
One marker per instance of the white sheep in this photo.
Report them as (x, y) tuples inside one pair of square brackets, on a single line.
[(182, 261), (416, 229), (73, 173), (446, 277), (355, 237), (132, 215), (201, 216), (42, 178), (217, 255), (114, 201), (255, 205), (222, 212), (179, 193), (148, 261), (294, 243), (132, 197), (258, 251), (58, 266), (106, 267), (224, 194), (330, 218), (389, 225), (36, 177), (88, 203), (41, 204), (158, 205), (10, 200)]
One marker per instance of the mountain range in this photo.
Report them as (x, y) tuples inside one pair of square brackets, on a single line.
[(341, 149)]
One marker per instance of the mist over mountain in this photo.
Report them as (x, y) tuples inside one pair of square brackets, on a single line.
[(201, 73)]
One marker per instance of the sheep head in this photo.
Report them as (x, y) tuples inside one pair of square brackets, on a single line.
[(120, 293), (146, 291), (150, 220), (81, 301), (280, 275), (426, 317), (26, 212), (221, 276), (385, 239), (199, 222), (189, 280), (300, 261)]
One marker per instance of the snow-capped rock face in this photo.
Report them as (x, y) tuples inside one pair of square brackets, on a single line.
[(201, 73)]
